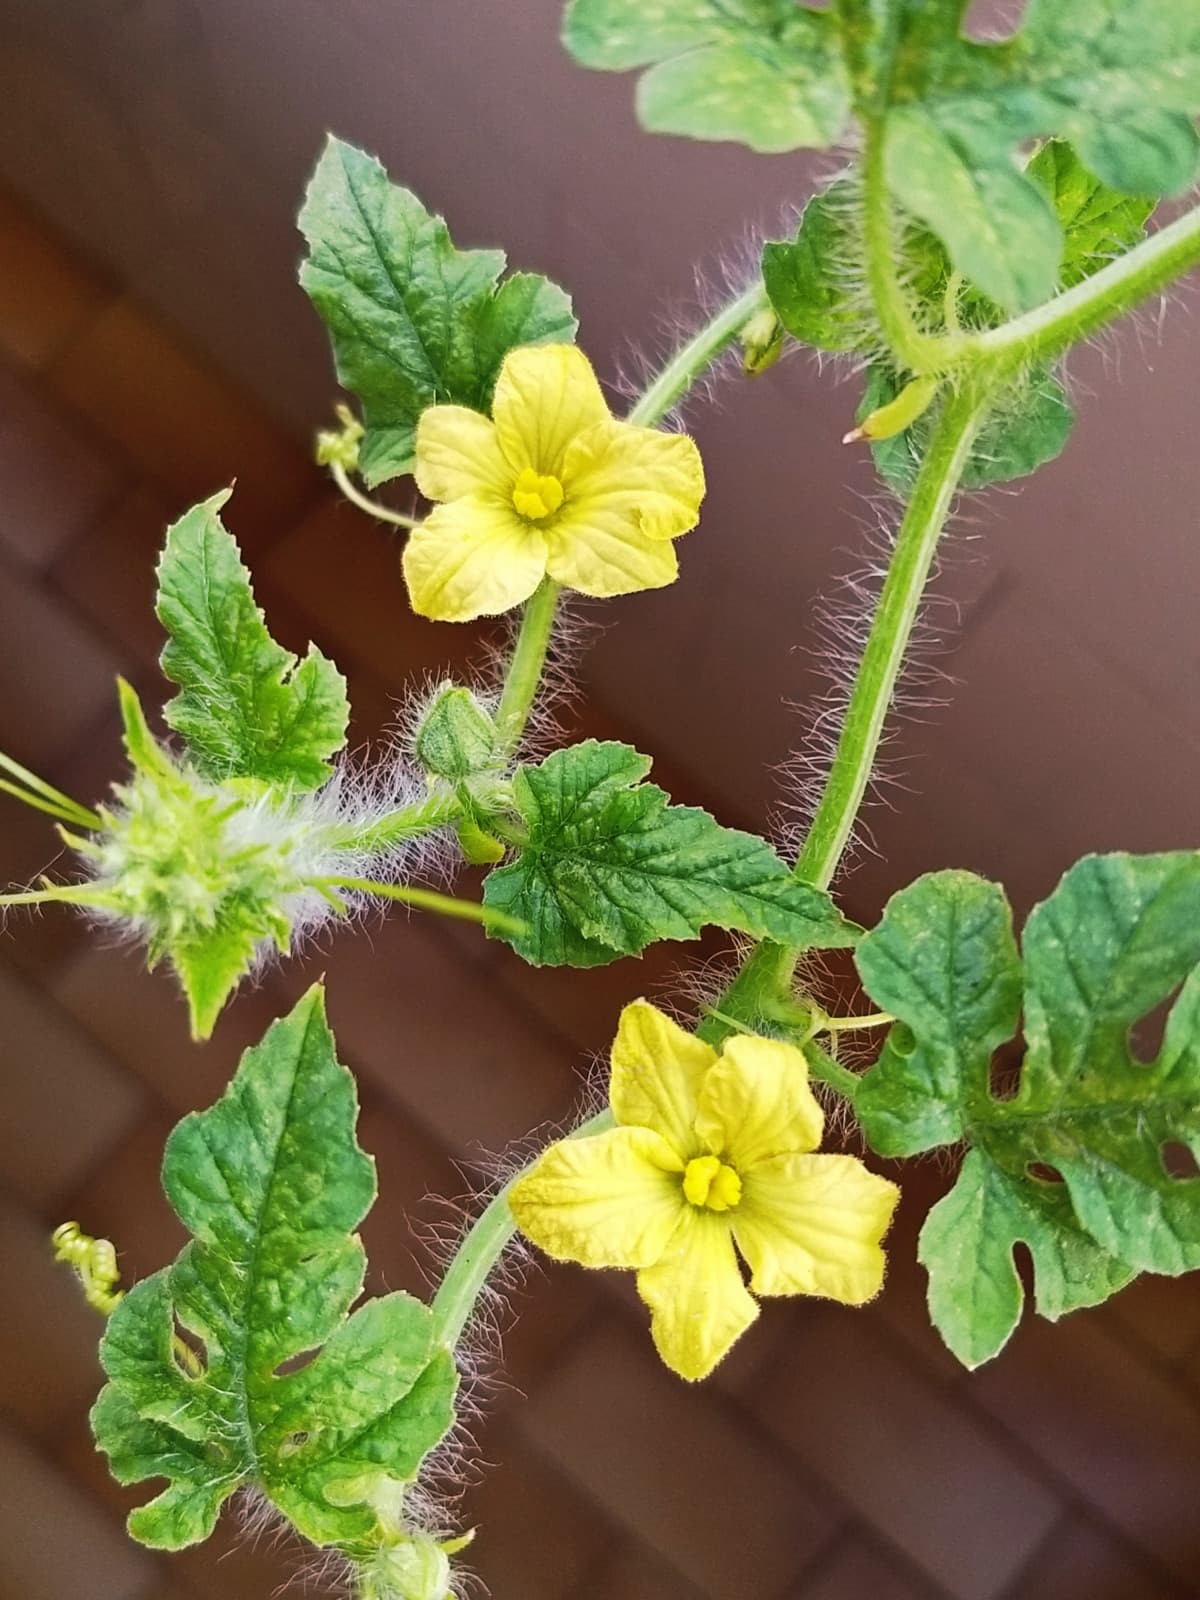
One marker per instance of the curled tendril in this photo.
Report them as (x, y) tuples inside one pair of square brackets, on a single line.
[(94, 1262)]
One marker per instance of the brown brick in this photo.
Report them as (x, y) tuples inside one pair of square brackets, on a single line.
[(46, 293), (339, 566), (1126, 1439), (35, 940), (1161, 1314), (48, 1335), (56, 479), (141, 1019), (182, 423), (633, 1572), (66, 1102), (674, 1466), (418, 1186), (56, 676), (536, 1535), (1081, 1562), (123, 1201), (858, 1570), (54, 1542), (110, 575), (433, 1034), (919, 1467)]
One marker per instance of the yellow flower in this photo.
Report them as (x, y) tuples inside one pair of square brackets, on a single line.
[(710, 1151), (550, 484)]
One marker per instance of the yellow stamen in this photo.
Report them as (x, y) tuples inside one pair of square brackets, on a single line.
[(535, 495), (708, 1182)]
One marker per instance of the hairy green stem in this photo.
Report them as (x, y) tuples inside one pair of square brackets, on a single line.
[(1051, 329), (932, 496), (827, 1070), (767, 973), (482, 1247), (526, 665), (692, 358), (919, 352), (406, 822)]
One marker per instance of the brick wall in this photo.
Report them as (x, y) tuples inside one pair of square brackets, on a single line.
[(836, 1456)]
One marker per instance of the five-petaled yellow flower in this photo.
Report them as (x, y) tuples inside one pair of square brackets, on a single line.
[(709, 1151), (550, 484)]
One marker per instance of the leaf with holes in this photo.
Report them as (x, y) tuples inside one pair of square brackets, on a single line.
[(205, 1389), (1121, 82), (1117, 936), (245, 707), (413, 320), (766, 73), (610, 866)]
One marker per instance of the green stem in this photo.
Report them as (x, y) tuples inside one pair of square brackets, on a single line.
[(1050, 330), (481, 1248), (526, 665), (427, 900), (932, 496), (82, 816), (372, 507), (767, 974), (690, 360), (920, 352), (823, 1067), (406, 822)]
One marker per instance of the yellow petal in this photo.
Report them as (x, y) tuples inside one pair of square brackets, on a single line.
[(546, 395), (658, 1070), (757, 1103), (813, 1225), (457, 453), (604, 554), (698, 1303), (472, 558), (653, 480), (611, 1200)]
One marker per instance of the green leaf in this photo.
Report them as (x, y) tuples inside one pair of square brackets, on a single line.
[(1121, 82), (807, 278), (966, 1246), (766, 73), (1118, 935), (203, 1389), (610, 866), (246, 709), (1098, 223), (413, 320)]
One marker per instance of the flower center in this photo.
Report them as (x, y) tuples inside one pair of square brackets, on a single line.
[(709, 1182), (536, 496)]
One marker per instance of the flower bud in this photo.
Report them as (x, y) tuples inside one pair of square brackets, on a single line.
[(762, 342), (456, 738)]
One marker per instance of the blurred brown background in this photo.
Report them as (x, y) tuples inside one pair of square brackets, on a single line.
[(153, 346)]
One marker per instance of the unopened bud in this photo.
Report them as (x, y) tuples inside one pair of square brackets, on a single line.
[(762, 342), (456, 738)]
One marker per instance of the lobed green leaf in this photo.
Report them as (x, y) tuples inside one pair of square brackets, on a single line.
[(204, 1389), (1073, 1164), (245, 707), (610, 866), (413, 320)]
